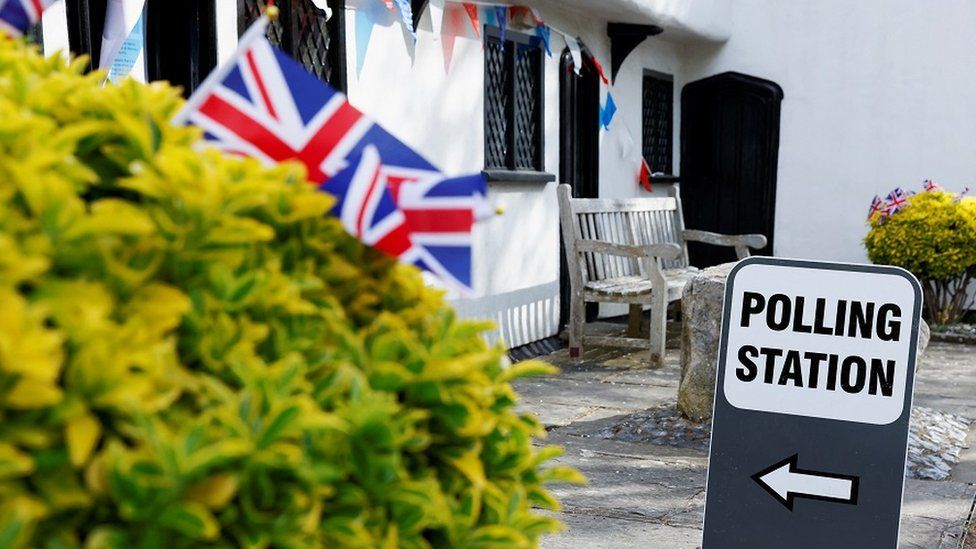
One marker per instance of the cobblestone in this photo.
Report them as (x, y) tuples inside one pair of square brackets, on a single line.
[(646, 494)]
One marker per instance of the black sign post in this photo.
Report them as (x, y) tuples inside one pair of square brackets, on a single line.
[(812, 403)]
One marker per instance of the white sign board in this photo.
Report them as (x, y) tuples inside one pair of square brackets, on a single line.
[(813, 399), (825, 344)]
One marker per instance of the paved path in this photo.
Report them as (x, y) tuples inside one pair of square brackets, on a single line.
[(642, 495)]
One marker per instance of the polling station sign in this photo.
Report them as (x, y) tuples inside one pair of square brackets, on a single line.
[(812, 403)]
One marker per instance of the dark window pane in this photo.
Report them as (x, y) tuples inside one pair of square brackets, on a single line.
[(527, 107), (497, 87), (658, 132)]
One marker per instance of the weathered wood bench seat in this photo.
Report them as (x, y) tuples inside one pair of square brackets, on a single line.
[(631, 251)]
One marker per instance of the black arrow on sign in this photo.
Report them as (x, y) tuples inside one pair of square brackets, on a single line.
[(786, 482)]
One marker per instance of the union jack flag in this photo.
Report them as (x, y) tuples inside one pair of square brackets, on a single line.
[(265, 105), (961, 195), (366, 208), (931, 186), (16, 16), (897, 200), (877, 205)]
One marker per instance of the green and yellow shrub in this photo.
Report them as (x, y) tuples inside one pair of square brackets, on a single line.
[(934, 238), (192, 353)]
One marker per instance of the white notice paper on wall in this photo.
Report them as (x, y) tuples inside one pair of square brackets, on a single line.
[(123, 40)]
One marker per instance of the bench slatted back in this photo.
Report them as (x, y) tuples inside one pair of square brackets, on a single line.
[(638, 221)]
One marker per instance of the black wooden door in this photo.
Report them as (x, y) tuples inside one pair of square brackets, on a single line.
[(729, 154), (86, 20), (579, 149), (181, 42)]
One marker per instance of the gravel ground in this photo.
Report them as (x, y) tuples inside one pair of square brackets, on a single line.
[(934, 441), (956, 333)]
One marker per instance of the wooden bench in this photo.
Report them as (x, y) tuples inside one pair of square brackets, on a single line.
[(631, 251)]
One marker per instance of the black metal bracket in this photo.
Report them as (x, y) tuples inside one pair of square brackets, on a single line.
[(624, 37), (417, 9)]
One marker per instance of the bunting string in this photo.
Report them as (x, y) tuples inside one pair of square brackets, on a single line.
[(447, 23)]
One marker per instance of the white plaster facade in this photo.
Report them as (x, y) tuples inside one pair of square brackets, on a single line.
[(878, 93)]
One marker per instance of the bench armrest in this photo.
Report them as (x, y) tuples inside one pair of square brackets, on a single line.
[(741, 242), (662, 251)]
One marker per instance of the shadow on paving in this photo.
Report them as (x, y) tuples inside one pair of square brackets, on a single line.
[(646, 495)]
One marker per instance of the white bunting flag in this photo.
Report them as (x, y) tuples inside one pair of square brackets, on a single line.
[(576, 52)]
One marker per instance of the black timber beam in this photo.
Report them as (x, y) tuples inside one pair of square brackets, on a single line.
[(417, 9), (624, 37)]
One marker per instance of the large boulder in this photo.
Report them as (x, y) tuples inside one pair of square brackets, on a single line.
[(924, 335), (700, 335)]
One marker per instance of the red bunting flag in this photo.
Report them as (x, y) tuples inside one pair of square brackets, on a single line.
[(599, 69), (644, 175), (473, 16)]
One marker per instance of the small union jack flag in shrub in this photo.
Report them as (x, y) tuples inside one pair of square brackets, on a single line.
[(897, 200)]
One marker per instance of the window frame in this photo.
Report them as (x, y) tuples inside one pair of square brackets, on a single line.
[(647, 154), (510, 171)]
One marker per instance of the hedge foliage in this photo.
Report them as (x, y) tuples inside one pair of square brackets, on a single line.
[(192, 353), (934, 237)]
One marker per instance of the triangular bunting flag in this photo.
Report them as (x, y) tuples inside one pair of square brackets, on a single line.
[(543, 32), (607, 112), (644, 175), (501, 13), (437, 17), (473, 17), (453, 26), (576, 52), (599, 69), (406, 15), (490, 17), (364, 30)]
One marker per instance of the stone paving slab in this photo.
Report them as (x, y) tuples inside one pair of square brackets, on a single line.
[(647, 496), (934, 513), (599, 532), (538, 394)]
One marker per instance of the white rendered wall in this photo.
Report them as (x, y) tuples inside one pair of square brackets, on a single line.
[(878, 94)]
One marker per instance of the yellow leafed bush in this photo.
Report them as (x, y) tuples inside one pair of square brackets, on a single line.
[(192, 353), (934, 238)]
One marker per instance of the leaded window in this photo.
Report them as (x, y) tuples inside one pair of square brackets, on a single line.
[(513, 102), (658, 121), (306, 33)]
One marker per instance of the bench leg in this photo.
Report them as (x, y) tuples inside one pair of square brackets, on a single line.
[(577, 316), (658, 329), (634, 320)]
